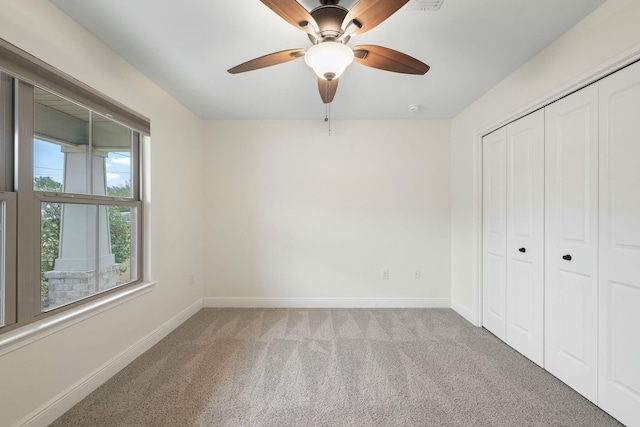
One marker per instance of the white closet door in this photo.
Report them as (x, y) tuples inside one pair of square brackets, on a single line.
[(571, 240), (619, 322), (525, 236), (494, 173)]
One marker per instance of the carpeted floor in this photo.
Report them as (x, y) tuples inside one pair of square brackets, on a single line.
[(332, 367)]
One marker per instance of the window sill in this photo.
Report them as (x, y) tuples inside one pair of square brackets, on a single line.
[(28, 334)]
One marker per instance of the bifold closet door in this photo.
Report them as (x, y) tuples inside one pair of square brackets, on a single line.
[(525, 236), (494, 232), (513, 233), (571, 240), (619, 320)]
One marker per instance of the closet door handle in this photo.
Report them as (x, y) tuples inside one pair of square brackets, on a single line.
[(523, 250), (567, 257)]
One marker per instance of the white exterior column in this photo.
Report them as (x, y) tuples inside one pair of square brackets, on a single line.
[(78, 228)]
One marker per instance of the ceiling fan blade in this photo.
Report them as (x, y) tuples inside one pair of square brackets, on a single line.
[(268, 60), (387, 59), (370, 13), (292, 12), (327, 89)]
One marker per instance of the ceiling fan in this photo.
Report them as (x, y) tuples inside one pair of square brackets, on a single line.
[(329, 27)]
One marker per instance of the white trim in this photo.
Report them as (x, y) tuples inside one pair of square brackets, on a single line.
[(267, 302), (53, 409), (596, 73), (28, 334), (414, 303), (476, 318), (610, 66)]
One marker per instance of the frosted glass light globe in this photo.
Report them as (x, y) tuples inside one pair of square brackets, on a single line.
[(329, 59)]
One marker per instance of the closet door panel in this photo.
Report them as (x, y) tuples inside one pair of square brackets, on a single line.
[(494, 232), (572, 291), (571, 240), (525, 235), (619, 322)]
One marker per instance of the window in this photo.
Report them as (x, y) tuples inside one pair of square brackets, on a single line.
[(86, 245), (2, 260), (7, 207), (70, 202)]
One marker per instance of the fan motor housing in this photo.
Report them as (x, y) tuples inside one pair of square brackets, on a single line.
[(329, 19)]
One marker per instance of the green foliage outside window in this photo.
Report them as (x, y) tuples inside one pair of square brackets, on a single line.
[(51, 215)]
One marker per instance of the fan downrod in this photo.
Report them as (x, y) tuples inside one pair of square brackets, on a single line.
[(329, 2)]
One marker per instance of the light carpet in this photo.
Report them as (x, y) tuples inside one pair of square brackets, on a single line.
[(332, 367)]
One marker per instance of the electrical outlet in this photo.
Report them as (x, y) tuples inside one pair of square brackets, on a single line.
[(192, 279), (385, 274), (416, 274)]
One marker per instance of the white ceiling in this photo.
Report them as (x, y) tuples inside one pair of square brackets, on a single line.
[(186, 46)]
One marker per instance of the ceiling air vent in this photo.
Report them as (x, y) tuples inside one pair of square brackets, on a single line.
[(424, 5)]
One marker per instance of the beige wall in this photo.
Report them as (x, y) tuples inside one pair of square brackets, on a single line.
[(292, 212), (36, 373), (282, 210), (608, 32)]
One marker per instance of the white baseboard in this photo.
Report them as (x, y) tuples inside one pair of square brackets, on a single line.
[(222, 302), (57, 406)]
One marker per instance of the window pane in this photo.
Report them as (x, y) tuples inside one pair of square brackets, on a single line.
[(72, 247), (122, 220), (112, 142), (6, 133), (62, 146), (5, 181), (118, 166), (2, 261), (68, 254), (77, 151), (48, 166)]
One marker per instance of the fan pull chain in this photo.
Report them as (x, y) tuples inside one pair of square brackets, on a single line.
[(327, 109)]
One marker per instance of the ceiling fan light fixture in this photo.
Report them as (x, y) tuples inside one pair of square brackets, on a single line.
[(329, 59)]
